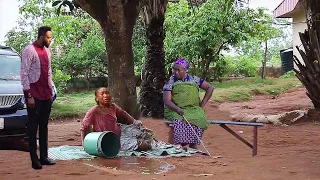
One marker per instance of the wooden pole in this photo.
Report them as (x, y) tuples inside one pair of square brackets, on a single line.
[(255, 141)]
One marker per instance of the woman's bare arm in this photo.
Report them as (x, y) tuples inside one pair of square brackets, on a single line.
[(128, 117), (209, 90), (83, 135)]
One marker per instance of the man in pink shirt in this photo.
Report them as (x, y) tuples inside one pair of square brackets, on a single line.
[(36, 79)]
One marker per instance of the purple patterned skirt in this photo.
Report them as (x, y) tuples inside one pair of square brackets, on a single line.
[(183, 133)]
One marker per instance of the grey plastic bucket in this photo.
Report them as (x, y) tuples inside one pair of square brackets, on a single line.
[(103, 144)]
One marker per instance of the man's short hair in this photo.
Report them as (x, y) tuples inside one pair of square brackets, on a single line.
[(43, 30)]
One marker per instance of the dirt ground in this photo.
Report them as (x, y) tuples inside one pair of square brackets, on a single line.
[(284, 152)]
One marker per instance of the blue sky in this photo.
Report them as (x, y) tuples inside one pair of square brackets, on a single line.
[(9, 13)]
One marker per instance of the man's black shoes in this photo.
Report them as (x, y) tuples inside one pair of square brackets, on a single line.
[(46, 162), (36, 165)]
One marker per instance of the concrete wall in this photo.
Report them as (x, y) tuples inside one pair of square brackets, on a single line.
[(299, 25), (271, 71)]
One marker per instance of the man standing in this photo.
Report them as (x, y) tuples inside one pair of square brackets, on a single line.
[(36, 79)]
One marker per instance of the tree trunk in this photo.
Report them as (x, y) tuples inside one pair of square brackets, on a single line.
[(117, 19), (153, 72), (264, 62), (206, 65), (211, 55), (88, 86), (89, 75)]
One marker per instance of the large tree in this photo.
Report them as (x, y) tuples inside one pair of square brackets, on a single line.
[(117, 19), (309, 71), (153, 72)]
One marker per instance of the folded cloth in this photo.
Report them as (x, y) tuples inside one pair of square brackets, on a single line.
[(133, 135)]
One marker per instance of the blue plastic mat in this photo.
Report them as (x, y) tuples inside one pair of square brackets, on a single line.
[(159, 150), (68, 153)]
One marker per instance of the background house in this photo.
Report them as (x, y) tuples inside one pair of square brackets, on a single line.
[(293, 9)]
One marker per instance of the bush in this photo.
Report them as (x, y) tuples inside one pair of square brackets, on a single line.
[(288, 74), (242, 66), (60, 80)]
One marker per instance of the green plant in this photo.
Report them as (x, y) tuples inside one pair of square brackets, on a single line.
[(60, 80), (288, 74), (242, 66)]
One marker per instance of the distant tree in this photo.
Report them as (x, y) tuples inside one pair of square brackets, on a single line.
[(86, 60), (18, 39), (200, 34), (265, 43)]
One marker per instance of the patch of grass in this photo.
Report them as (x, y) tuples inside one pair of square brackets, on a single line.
[(239, 95), (77, 104), (252, 81), (244, 89), (72, 105)]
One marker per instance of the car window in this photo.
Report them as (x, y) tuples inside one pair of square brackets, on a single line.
[(10, 67)]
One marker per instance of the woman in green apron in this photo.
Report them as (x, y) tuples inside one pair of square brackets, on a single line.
[(181, 98)]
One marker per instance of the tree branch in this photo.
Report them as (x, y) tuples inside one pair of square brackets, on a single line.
[(96, 9), (131, 14)]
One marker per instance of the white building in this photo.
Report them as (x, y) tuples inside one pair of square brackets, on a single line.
[(293, 9)]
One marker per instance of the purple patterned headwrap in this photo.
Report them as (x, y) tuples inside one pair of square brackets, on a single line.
[(183, 63)]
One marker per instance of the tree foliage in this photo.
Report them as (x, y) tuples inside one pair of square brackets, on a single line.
[(268, 30), (200, 34), (31, 15), (241, 66), (139, 45), (18, 39), (61, 80), (87, 60), (78, 47)]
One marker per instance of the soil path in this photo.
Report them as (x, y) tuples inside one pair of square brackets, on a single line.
[(285, 153)]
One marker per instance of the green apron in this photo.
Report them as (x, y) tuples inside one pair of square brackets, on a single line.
[(186, 96)]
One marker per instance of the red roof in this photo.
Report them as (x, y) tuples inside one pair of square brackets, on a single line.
[(286, 8)]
